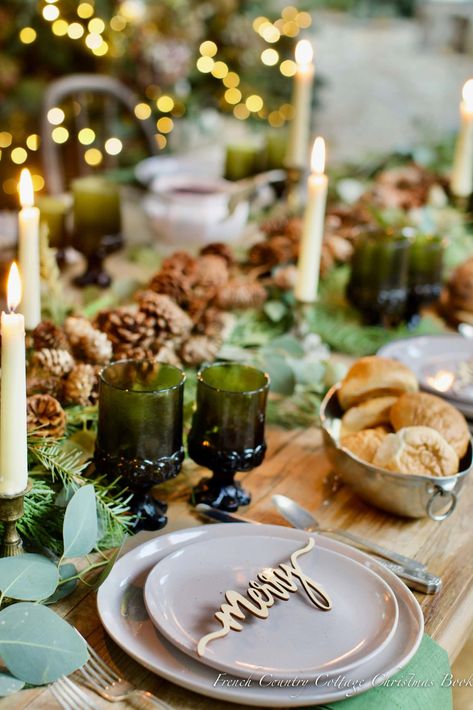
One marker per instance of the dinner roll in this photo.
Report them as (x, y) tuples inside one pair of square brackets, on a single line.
[(421, 409), (417, 450), (375, 377), (364, 444), (368, 414)]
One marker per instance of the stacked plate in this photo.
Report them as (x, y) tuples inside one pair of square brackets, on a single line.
[(443, 364), (161, 598)]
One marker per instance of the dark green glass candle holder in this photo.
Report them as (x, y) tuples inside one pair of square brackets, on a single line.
[(139, 433), (227, 433), (378, 284), (425, 272)]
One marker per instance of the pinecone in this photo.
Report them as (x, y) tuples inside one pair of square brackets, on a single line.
[(53, 362), (274, 251), (241, 294), (275, 224), (46, 417), (293, 229), (174, 284), (340, 248), (180, 262), (88, 343), (219, 249), (326, 259), (169, 317), (126, 351), (211, 323), (198, 305), (48, 335), (285, 277), (211, 272), (199, 349), (39, 383), (127, 327), (81, 385)]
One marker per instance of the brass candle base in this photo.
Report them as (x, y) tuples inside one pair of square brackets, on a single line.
[(11, 510), (301, 327), (461, 203)]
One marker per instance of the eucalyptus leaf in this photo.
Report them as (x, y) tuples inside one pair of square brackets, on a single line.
[(65, 571), (275, 310), (80, 523), (281, 375), (29, 577), (287, 345), (9, 685), (37, 646)]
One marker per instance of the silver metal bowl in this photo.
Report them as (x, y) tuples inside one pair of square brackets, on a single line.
[(400, 493)]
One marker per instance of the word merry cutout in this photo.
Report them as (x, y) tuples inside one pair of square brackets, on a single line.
[(273, 584)]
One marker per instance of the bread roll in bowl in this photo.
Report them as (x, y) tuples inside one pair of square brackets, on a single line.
[(373, 377)]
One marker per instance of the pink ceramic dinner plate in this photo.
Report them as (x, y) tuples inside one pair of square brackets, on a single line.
[(185, 589), (124, 616)]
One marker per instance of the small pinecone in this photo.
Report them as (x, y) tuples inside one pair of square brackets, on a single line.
[(167, 354), (211, 323), (293, 229), (212, 272), (126, 351), (275, 224), (199, 349), (274, 251), (198, 305), (39, 383), (241, 294), (174, 284), (127, 326), (46, 417), (285, 277), (169, 317), (88, 343), (219, 249), (326, 260), (53, 362), (340, 248), (49, 335), (180, 262), (81, 385)]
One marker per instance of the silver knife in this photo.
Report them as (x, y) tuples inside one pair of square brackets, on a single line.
[(420, 581), (300, 518)]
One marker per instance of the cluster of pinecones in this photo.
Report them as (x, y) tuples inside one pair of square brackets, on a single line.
[(182, 317), (279, 251), (63, 370)]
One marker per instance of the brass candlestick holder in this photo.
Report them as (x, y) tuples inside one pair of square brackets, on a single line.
[(11, 510)]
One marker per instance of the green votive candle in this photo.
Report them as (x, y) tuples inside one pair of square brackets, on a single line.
[(53, 213), (243, 160), (276, 148), (96, 210)]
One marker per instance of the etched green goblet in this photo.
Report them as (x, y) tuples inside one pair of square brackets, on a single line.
[(139, 433), (227, 433)]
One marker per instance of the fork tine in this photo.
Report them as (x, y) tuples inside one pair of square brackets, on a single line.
[(108, 676), (77, 694), (57, 694), (114, 678), (92, 677)]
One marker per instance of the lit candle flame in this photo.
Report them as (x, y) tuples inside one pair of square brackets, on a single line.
[(467, 94), (304, 52), (25, 188), (13, 288), (317, 160)]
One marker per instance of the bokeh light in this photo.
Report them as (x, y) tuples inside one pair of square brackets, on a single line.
[(233, 95), (113, 146), (86, 136), (85, 10), (142, 111), (18, 155), (161, 141), (27, 35), (38, 182), (93, 156), (219, 70), (165, 104), (96, 25), (56, 116), (50, 13), (75, 30), (231, 80), (241, 112), (60, 134), (254, 103), (60, 28), (32, 142), (208, 49), (205, 64), (288, 67), (118, 23), (270, 57), (165, 124), (5, 139)]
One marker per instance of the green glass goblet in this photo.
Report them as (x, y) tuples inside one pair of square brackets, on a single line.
[(139, 433), (227, 433)]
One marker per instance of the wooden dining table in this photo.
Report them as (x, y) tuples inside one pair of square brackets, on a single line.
[(296, 465)]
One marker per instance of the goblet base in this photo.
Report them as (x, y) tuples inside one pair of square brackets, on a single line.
[(219, 493), (149, 513)]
